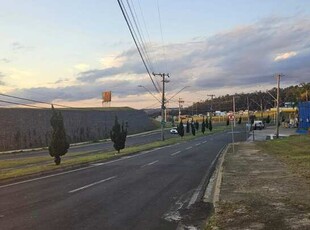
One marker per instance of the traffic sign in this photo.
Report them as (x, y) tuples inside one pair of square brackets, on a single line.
[(231, 117)]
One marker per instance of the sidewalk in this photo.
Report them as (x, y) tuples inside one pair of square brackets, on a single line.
[(262, 135), (257, 191)]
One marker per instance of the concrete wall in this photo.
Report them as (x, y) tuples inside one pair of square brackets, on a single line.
[(30, 128)]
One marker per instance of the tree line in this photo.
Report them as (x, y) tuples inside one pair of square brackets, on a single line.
[(256, 100)]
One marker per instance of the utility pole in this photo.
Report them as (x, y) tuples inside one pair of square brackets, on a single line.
[(163, 101), (261, 109), (180, 106), (234, 110), (248, 108), (278, 76), (211, 95)]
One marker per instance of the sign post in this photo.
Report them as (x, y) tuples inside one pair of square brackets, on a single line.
[(232, 118)]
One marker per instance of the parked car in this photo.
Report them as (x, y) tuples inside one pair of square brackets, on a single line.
[(174, 130), (258, 125)]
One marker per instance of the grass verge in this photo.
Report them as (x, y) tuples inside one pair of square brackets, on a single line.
[(293, 150), (23, 167)]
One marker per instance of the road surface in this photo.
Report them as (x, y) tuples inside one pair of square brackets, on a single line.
[(142, 191)]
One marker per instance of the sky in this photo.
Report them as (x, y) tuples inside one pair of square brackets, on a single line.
[(70, 51)]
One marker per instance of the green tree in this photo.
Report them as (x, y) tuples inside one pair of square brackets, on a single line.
[(187, 127), (197, 125), (268, 119), (118, 135), (193, 129), (59, 145), (180, 129), (207, 123), (239, 121), (203, 125), (210, 125), (227, 121)]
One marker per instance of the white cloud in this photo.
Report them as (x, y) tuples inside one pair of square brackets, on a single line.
[(284, 56), (81, 67)]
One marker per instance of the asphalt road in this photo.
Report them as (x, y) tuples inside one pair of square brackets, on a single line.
[(142, 191)]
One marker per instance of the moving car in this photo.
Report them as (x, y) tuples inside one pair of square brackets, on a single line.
[(258, 125), (174, 130)]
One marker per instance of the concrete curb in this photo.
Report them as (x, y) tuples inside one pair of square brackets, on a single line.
[(200, 191), (212, 192)]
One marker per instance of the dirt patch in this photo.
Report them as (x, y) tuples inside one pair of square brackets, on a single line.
[(260, 192)]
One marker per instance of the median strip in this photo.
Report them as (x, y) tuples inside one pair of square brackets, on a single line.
[(92, 184)]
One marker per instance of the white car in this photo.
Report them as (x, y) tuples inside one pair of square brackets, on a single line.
[(258, 125), (174, 130)]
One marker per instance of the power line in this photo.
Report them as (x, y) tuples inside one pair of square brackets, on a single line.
[(15, 103), (140, 37), (162, 37), (121, 5), (31, 100)]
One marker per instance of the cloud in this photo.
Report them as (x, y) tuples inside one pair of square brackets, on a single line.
[(242, 57), (284, 56), (5, 60), (17, 46), (121, 88), (1, 81), (81, 67)]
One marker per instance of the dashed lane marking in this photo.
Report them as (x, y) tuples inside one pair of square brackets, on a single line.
[(173, 154), (148, 164), (190, 147), (92, 184)]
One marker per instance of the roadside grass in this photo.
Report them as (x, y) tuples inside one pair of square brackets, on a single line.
[(34, 165), (293, 150)]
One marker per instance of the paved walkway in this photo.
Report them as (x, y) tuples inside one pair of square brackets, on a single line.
[(257, 191), (262, 135)]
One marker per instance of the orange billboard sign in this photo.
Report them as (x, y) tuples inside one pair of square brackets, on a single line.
[(106, 96)]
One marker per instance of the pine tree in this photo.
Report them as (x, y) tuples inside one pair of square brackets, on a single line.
[(268, 119), (193, 129), (210, 125), (180, 129), (197, 125), (118, 135), (59, 145), (187, 127), (207, 123), (203, 126)]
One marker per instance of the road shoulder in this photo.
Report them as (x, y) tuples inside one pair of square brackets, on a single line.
[(257, 191)]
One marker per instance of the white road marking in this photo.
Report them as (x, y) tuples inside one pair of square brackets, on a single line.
[(173, 154), (198, 144), (148, 164), (92, 184), (154, 162), (190, 147), (204, 142), (74, 170)]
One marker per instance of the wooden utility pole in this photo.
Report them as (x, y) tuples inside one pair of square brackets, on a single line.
[(180, 106), (278, 76), (163, 101)]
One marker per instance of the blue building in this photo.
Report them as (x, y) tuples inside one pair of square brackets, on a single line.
[(304, 116)]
